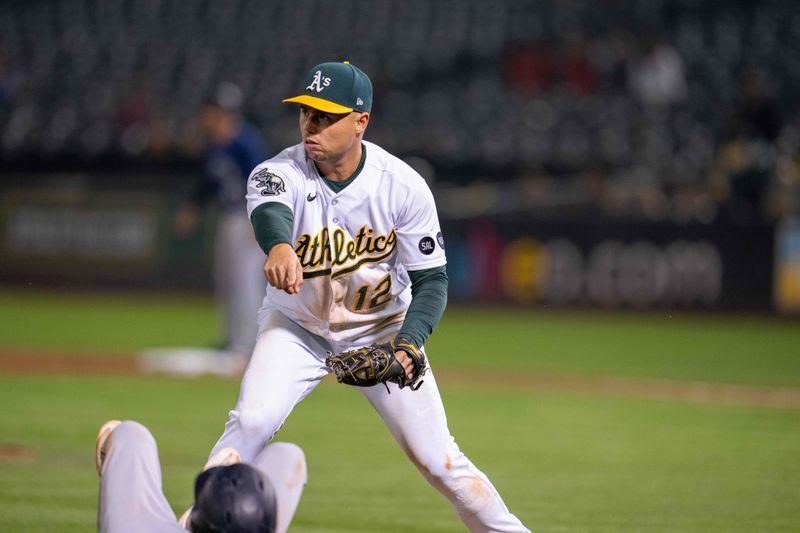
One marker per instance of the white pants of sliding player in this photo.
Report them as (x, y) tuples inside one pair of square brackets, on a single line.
[(131, 497), (286, 365)]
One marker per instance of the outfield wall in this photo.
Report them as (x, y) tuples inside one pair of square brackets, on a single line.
[(76, 231), (611, 264)]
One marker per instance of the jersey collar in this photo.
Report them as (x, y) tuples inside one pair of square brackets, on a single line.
[(338, 186)]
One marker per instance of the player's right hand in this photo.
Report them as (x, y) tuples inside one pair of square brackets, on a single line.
[(283, 269)]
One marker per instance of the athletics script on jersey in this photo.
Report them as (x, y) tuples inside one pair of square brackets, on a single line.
[(337, 250)]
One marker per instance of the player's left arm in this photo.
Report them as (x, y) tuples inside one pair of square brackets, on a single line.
[(421, 251), (428, 301)]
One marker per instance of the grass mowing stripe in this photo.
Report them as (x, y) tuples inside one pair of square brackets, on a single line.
[(667, 345), (111, 322), (695, 347)]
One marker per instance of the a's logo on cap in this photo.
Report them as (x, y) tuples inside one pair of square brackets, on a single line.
[(359, 102), (318, 83)]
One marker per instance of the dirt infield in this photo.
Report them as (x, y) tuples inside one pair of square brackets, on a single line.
[(12, 453), (689, 391), (24, 361), (30, 361)]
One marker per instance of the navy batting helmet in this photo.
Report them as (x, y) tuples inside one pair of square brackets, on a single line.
[(233, 499)]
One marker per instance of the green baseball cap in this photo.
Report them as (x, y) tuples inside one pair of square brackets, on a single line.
[(336, 88)]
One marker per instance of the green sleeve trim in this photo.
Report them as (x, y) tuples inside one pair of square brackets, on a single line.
[(428, 300), (272, 224)]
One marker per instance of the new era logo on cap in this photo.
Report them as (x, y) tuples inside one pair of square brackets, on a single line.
[(336, 88)]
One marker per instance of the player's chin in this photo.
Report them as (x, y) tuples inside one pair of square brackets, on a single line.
[(315, 152)]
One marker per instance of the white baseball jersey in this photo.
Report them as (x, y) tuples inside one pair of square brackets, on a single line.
[(356, 246)]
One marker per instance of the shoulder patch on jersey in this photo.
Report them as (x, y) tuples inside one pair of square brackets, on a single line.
[(440, 240), (269, 183), (426, 245)]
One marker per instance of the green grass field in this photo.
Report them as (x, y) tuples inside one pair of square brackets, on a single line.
[(563, 461)]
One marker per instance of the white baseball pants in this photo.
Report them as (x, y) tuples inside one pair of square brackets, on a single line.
[(289, 362)]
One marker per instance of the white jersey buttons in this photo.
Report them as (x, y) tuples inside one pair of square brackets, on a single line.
[(335, 220), (334, 202)]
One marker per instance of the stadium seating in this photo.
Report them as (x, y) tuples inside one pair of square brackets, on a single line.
[(637, 92)]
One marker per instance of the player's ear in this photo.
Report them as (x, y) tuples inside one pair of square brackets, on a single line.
[(361, 123)]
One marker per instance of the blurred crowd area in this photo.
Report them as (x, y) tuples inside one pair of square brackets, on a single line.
[(681, 110)]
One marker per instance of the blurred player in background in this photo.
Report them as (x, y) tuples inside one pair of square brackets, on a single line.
[(235, 147), (228, 496)]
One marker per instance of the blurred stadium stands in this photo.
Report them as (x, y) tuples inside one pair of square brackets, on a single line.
[(651, 107), (578, 123)]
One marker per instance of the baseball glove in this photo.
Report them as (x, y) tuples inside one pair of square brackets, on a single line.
[(376, 364)]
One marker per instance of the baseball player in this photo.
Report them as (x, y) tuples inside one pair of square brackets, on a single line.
[(229, 496), (355, 257), (235, 147)]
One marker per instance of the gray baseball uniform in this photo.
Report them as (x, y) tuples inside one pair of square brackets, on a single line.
[(131, 496)]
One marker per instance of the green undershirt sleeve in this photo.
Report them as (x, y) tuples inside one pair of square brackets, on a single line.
[(272, 224), (428, 300)]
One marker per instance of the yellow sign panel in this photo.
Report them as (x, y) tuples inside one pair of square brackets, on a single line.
[(786, 290), (523, 269)]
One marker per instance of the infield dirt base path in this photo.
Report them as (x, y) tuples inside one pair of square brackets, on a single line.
[(35, 361)]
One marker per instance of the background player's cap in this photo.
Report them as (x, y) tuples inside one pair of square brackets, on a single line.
[(336, 88), (227, 96)]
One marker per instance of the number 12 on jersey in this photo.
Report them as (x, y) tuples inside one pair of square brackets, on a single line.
[(373, 297)]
